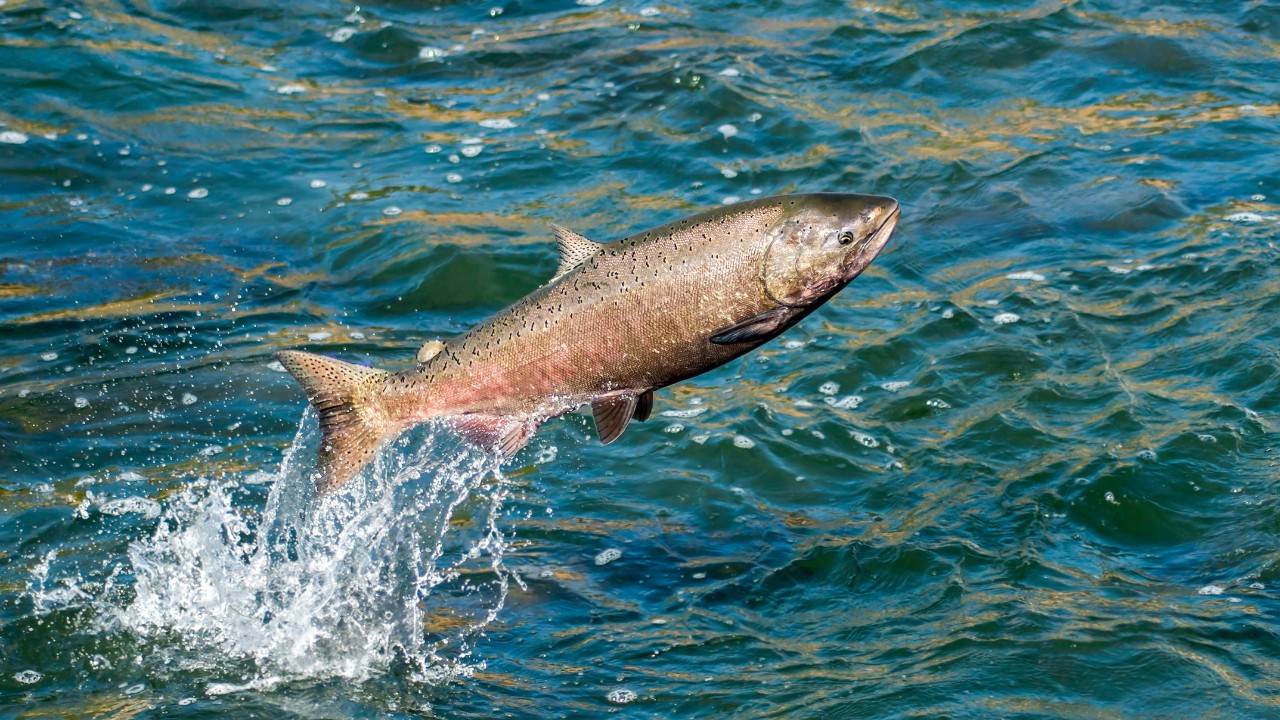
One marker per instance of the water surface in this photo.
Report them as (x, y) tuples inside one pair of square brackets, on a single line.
[(1026, 466)]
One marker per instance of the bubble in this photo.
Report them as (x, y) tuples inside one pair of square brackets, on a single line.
[(49, 356), (743, 442), (472, 150), (1025, 275), (864, 439), (1244, 218), (617, 696), (895, 385), (453, 178), (284, 201), (608, 555), (187, 701), (829, 387), (1110, 497), (391, 211), (1258, 197), (317, 184), (793, 344), (211, 450), (28, 677), (848, 402), (497, 123), (197, 193), (1211, 590), (727, 130), (673, 428), (131, 350), (13, 137), (1005, 318), (431, 53), (937, 403), (948, 313), (189, 399), (432, 149), (172, 190)]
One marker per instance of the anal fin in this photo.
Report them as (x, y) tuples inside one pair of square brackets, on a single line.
[(505, 436)]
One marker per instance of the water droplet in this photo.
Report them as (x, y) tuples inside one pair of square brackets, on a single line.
[(431, 53), (937, 403), (197, 193), (472, 150), (829, 387), (131, 350), (284, 201), (743, 442), (49, 356), (727, 130), (317, 184), (319, 335), (358, 195), (1110, 497), (453, 178), (188, 399), (28, 677), (391, 211), (649, 11), (82, 402), (848, 402)]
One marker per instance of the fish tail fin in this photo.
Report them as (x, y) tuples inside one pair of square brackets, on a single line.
[(352, 421)]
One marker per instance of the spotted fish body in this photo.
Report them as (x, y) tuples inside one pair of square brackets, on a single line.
[(617, 322)]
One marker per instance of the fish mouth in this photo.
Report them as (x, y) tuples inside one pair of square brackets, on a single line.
[(872, 246)]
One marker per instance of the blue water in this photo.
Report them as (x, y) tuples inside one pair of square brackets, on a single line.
[(1026, 466)]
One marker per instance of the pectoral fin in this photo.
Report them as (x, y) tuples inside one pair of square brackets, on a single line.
[(612, 415), (760, 327)]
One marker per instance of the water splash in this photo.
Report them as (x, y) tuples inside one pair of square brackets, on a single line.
[(401, 567)]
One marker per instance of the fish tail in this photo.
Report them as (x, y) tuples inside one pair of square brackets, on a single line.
[(352, 421)]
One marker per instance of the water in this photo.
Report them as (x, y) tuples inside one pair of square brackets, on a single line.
[(1026, 466)]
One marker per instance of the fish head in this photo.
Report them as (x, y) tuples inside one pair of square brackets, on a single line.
[(822, 241)]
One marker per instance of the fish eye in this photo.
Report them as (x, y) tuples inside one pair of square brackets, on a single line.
[(846, 237)]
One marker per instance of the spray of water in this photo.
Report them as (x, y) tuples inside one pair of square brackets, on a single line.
[(401, 567)]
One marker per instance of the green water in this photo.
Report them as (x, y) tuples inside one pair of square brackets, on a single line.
[(1026, 466)]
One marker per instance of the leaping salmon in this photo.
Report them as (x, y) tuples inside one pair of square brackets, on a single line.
[(616, 322)]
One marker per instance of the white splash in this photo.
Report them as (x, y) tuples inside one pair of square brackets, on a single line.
[(337, 586)]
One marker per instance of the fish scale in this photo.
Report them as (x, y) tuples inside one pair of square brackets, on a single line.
[(615, 323)]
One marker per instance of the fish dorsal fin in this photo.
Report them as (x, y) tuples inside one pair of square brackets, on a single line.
[(644, 406), (429, 350), (612, 415), (574, 249)]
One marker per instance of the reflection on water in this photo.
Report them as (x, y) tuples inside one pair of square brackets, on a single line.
[(1025, 465)]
